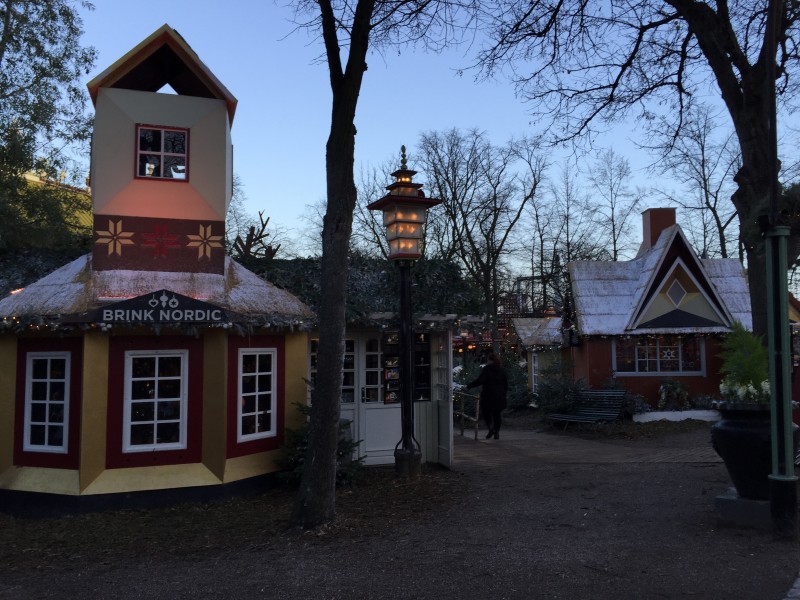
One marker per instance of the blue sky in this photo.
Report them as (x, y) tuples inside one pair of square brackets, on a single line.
[(283, 115)]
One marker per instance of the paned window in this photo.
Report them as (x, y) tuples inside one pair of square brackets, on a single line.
[(257, 393), (47, 402), (534, 372), (348, 372), (373, 385), (162, 152), (659, 354), (155, 400)]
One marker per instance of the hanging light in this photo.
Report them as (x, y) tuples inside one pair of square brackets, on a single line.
[(405, 210)]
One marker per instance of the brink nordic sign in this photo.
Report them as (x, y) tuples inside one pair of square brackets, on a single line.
[(161, 307)]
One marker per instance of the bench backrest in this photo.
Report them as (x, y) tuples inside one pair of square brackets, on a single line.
[(601, 398)]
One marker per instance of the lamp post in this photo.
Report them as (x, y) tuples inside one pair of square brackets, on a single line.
[(404, 214), (783, 482)]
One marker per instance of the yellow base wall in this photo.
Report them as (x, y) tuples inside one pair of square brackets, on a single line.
[(251, 465), (39, 479), (136, 479)]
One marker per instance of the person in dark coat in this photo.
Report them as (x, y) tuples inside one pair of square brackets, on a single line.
[(494, 386)]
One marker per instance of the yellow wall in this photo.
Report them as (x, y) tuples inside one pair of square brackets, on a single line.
[(296, 372), (94, 407), (8, 374), (296, 376), (215, 356)]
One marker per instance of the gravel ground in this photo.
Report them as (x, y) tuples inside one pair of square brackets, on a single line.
[(503, 524)]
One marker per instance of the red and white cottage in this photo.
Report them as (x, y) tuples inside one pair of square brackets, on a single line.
[(156, 362), (659, 316)]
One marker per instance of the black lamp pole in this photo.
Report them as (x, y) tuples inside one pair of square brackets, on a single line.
[(404, 214), (407, 456)]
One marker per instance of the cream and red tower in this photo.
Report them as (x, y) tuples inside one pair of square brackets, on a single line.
[(162, 163)]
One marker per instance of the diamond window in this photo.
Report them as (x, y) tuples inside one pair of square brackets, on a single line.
[(676, 293)]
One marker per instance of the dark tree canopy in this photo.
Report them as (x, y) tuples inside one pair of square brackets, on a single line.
[(42, 94), (42, 118)]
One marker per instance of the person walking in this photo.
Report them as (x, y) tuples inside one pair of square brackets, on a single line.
[(494, 386)]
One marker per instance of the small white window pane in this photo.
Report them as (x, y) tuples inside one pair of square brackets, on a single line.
[(155, 400), (256, 418), (46, 420)]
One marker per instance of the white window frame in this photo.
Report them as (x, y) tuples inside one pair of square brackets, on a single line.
[(161, 153), (534, 372), (273, 391), (701, 350), (128, 402), (349, 370), (26, 444)]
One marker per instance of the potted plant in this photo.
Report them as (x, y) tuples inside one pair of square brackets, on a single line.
[(742, 436)]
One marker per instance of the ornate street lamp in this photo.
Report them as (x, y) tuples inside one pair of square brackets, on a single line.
[(404, 213)]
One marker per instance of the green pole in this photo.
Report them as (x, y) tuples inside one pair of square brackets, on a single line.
[(783, 482)]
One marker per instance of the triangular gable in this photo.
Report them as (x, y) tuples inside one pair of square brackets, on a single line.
[(163, 58), (679, 292)]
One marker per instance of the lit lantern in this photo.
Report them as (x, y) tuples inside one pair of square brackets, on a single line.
[(405, 210), (404, 213)]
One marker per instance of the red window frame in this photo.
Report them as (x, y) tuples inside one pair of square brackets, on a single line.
[(36, 458), (116, 458), (234, 447), (160, 153)]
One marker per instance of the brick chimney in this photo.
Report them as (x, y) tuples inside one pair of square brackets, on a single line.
[(654, 221)]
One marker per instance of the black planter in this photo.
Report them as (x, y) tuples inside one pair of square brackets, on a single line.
[(742, 439)]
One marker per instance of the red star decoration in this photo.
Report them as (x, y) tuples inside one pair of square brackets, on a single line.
[(161, 240)]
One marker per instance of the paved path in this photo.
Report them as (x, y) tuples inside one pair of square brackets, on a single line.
[(515, 445)]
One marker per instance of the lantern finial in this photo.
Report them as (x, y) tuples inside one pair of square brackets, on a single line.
[(403, 164)]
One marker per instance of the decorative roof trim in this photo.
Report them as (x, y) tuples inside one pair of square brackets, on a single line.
[(163, 36), (637, 317), (674, 232)]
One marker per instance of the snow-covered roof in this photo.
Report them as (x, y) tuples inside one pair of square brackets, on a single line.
[(608, 295), (75, 289), (545, 331), (730, 279)]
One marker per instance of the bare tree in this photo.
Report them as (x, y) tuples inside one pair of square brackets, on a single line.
[(451, 162), (562, 231), (246, 235), (351, 27), (484, 193), (369, 234), (616, 202), (705, 166), (582, 65)]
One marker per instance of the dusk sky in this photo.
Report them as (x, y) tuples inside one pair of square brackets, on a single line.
[(283, 116)]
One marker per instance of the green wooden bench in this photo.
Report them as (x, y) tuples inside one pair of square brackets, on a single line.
[(593, 407)]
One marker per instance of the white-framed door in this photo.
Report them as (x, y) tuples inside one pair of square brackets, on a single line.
[(374, 424)]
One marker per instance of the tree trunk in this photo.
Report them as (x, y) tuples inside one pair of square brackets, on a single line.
[(751, 200), (316, 500), (315, 503)]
